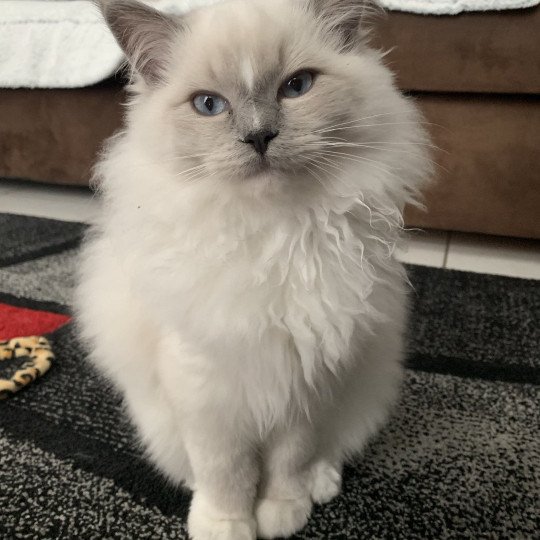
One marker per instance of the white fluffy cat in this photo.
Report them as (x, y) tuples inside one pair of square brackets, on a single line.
[(240, 287)]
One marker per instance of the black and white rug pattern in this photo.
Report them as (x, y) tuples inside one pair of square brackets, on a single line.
[(460, 457)]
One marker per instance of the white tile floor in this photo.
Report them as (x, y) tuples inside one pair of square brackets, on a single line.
[(70, 204), (474, 253)]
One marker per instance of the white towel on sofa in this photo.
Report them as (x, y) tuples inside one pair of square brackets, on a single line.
[(65, 44), (453, 7), (62, 43)]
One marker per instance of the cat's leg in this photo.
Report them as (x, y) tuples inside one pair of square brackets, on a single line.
[(226, 472), (284, 503), (361, 406), (325, 479), (124, 341), (159, 431), (219, 439)]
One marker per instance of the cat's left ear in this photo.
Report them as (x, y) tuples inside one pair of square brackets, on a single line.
[(345, 18), (144, 34)]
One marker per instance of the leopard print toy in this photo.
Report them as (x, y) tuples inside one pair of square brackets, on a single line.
[(40, 357)]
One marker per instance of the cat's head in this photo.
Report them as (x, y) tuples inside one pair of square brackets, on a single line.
[(248, 90)]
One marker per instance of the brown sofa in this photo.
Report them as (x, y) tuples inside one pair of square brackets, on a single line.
[(476, 76)]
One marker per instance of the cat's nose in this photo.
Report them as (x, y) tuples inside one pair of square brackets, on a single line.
[(260, 140)]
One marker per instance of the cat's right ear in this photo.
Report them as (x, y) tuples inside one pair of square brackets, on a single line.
[(345, 18), (144, 34)]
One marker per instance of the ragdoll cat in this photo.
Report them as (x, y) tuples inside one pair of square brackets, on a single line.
[(240, 287)]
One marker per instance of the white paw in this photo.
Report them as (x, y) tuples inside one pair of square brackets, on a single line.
[(222, 530), (281, 518), (203, 525), (325, 482)]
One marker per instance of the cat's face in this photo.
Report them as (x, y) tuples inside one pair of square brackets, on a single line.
[(252, 88), (255, 87)]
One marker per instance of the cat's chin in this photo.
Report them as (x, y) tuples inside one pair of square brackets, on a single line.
[(266, 177), (264, 182), (263, 172)]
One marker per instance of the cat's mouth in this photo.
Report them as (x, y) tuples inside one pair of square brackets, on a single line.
[(270, 166), (259, 167)]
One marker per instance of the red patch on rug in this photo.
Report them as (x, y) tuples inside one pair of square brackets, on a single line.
[(18, 321)]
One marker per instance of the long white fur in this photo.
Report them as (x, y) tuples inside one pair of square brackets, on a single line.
[(255, 326)]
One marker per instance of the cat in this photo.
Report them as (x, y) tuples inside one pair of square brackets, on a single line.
[(240, 287)]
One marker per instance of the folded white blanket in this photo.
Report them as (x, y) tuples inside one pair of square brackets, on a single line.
[(452, 7), (61, 44), (65, 44)]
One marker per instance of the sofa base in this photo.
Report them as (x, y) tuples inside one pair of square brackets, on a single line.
[(487, 178)]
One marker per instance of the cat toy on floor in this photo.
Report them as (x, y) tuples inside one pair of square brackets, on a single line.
[(39, 358)]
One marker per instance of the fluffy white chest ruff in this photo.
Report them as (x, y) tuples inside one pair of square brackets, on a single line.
[(286, 297)]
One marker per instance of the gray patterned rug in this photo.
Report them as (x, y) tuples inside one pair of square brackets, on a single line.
[(459, 459)]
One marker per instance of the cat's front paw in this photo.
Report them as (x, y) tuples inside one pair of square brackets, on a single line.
[(278, 518), (204, 525), (222, 530), (325, 482)]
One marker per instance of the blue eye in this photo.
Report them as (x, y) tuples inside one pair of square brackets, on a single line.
[(209, 104), (297, 85)]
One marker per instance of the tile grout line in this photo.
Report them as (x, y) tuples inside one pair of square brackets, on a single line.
[(447, 249)]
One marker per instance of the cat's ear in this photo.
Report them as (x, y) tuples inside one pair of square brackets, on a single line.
[(144, 34), (346, 18)]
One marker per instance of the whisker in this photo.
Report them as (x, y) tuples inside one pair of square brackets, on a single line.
[(366, 118), (168, 160), (331, 163), (319, 166), (197, 175), (315, 175), (348, 143), (196, 168), (359, 159), (359, 145), (194, 156), (329, 130)]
